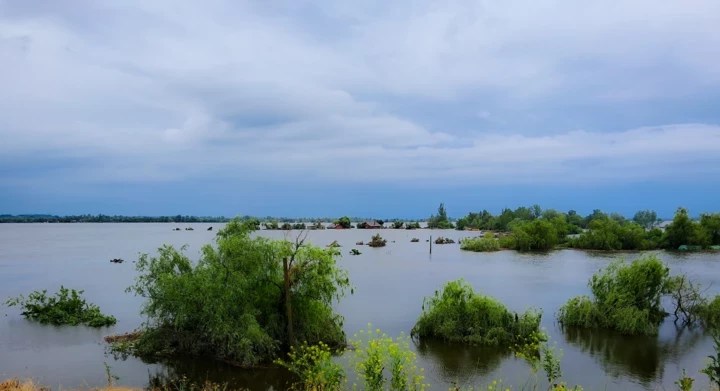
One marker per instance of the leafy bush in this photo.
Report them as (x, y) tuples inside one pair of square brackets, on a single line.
[(709, 314), (378, 358), (232, 304), (459, 314), (67, 307), (378, 361), (626, 297), (712, 370), (377, 241), (314, 367), (481, 244)]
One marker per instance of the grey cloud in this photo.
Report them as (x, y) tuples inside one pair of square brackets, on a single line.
[(174, 90)]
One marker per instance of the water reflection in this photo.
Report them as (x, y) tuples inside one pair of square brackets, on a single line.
[(460, 362), (640, 357), (201, 370)]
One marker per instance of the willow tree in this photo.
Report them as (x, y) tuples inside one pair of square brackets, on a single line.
[(246, 299)]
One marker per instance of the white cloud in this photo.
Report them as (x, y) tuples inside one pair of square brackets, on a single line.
[(172, 90)]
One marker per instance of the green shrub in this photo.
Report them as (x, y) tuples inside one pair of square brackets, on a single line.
[(486, 243), (626, 297), (710, 314), (314, 367), (609, 235), (378, 360), (459, 314), (67, 307)]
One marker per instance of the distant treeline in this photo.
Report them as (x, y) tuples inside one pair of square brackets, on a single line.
[(101, 218), (533, 228)]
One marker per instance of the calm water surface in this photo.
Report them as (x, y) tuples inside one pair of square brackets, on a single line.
[(389, 283)]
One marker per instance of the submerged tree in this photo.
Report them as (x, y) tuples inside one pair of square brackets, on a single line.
[(440, 220), (685, 231), (626, 297), (246, 300), (459, 314)]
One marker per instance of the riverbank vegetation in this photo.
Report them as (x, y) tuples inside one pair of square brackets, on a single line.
[(460, 315), (481, 244), (67, 307), (245, 301), (627, 297), (533, 229)]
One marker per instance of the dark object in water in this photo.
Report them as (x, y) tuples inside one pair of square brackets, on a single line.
[(116, 260), (355, 252), (209, 229), (176, 229), (189, 229), (442, 240)]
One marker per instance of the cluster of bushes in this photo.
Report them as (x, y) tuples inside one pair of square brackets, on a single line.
[(627, 297), (67, 307), (550, 229), (608, 234), (536, 235), (481, 244), (459, 314), (379, 363)]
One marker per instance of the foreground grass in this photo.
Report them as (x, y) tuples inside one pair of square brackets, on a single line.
[(16, 384)]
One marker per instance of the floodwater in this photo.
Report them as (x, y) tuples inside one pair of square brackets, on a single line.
[(389, 283)]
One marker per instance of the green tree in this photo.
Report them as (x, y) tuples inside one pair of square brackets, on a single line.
[(626, 297), (683, 230), (272, 225), (597, 214), (440, 220), (575, 219), (534, 235), (646, 218), (619, 218), (344, 222), (710, 223), (241, 301), (537, 211)]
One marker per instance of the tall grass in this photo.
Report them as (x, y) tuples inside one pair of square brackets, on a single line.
[(459, 314)]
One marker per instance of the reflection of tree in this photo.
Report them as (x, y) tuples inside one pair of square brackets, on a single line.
[(639, 357), (200, 370), (460, 362)]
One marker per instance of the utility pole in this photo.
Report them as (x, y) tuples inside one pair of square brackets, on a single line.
[(430, 244)]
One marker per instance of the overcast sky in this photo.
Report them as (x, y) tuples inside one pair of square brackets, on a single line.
[(326, 107)]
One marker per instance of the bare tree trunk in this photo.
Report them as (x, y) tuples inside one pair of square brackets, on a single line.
[(288, 305)]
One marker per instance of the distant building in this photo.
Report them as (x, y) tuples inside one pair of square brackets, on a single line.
[(372, 225), (662, 225)]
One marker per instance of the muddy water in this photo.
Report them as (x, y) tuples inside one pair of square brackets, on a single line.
[(389, 283)]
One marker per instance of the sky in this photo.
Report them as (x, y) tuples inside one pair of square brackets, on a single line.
[(365, 108)]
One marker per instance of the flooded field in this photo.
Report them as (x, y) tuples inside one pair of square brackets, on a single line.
[(390, 283)]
